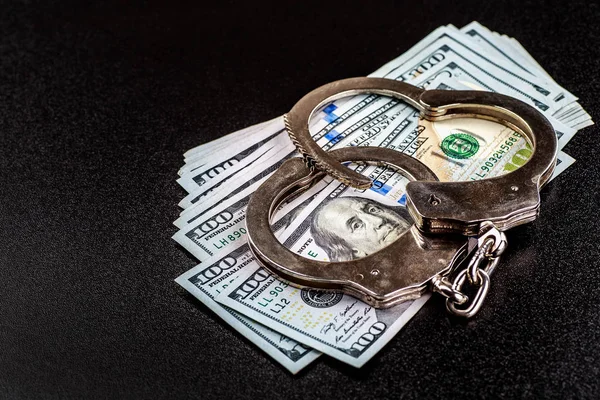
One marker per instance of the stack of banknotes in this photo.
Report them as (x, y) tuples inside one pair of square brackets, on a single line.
[(332, 222)]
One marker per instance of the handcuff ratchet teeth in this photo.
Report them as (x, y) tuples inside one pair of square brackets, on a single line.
[(457, 238)]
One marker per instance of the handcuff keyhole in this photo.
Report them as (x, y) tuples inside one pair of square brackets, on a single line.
[(375, 272), (434, 200), (514, 188)]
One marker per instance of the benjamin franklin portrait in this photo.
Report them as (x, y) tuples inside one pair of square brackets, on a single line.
[(353, 227)]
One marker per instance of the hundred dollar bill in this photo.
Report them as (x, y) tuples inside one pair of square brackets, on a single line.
[(258, 172), (220, 228), (221, 144), (237, 157), (241, 259), (211, 152), (213, 201), (205, 282), (248, 182), (232, 182), (516, 55), (501, 50), (465, 47), (336, 324)]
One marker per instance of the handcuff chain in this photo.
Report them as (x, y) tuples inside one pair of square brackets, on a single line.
[(490, 245)]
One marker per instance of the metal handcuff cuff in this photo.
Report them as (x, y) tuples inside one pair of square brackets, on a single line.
[(455, 223)]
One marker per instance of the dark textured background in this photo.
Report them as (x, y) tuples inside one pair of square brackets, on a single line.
[(97, 105)]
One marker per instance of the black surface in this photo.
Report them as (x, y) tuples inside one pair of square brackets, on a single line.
[(97, 105)]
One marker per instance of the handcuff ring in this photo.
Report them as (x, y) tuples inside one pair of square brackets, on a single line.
[(382, 289), (496, 198)]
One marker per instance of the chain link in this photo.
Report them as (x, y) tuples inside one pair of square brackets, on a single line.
[(478, 258), (476, 301)]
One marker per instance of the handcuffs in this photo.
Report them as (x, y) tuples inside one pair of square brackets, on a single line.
[(458, 233)]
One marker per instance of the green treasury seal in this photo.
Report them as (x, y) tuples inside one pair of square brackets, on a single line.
[(460, 146)]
